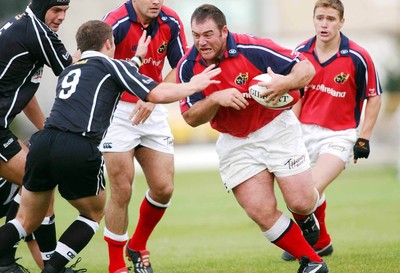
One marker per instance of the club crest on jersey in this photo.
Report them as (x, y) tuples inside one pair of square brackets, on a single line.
[(162, 48), (242, 78), (341, 78)]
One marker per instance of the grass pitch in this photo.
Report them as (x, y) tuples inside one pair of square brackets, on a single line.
[(205, 230)]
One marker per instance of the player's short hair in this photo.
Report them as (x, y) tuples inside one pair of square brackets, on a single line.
[(40, 7), (207, 11), (335, 4), (92, 35)]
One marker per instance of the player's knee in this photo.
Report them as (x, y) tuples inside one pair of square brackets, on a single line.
[(96, 214), (162, 193), (121, 193), (302, 206)]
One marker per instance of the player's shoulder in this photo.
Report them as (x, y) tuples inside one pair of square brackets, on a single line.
[(169, 12), (356, 47), (243, 38), (306, 45), (116, 14), (249, 42), (17, 22)]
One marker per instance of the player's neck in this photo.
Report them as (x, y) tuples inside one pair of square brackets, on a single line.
[(325, 50)]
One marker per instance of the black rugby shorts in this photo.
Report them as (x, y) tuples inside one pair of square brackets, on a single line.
[(71, 161), (9, 145)]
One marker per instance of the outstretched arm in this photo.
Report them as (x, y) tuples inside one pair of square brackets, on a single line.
[(167, 92)]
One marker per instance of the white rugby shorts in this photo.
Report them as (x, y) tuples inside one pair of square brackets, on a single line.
[(277, 147), (122, 136), (320, 140)]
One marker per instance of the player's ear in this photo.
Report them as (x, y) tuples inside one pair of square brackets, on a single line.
[(342, 23), (108, 44), (224, 31)]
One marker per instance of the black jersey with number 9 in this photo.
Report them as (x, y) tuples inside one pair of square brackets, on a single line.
[(89, 90)]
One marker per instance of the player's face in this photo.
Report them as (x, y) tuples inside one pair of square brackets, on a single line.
[(55, 16), (209, 40), (327, 23), (147, 9)]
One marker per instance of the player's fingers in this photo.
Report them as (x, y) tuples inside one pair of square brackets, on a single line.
[(147, 41), (241, 105), (211, 74), (132, 114), (209, 68)]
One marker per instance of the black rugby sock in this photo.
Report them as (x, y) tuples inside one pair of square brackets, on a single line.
[(11, 214), (71, 242), (45, 236), (9, 238)]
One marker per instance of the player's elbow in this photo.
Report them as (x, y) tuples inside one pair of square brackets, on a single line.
[(190, 119)]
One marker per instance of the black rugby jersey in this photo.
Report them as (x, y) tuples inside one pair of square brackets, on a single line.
[(26, 45), (89, 90)]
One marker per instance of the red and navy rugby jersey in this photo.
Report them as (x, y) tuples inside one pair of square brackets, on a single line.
[(245, 57), (167, 40), (26, 45), (335, 96)]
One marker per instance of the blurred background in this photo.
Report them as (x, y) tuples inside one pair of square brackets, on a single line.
[(374, 24)]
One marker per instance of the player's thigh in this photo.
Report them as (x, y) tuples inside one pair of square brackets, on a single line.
[(157, 166), (13, 169), (326, 169), (256, 192), (91, 207), (256, 196), (120, 168), (298, 190)]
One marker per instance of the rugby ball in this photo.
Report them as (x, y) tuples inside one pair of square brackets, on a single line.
[(285, 101)]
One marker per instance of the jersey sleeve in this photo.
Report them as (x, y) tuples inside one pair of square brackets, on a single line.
[(128, 78), (177, 45), (184, 74), (367, 79), (267, 53), (48, 48)]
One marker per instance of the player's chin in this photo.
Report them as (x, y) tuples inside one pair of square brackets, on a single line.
[(54, 27), (207, 54)]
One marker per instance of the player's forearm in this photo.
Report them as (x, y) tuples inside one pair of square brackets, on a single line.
[(201, 112), (169, 92), (371, 115), (301, 74)]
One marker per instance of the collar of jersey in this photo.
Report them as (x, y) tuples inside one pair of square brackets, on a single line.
[(92, 53)]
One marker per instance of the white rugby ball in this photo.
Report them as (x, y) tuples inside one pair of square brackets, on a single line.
[(285, 101)]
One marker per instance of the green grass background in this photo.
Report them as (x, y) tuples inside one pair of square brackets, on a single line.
[(205, 230)]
